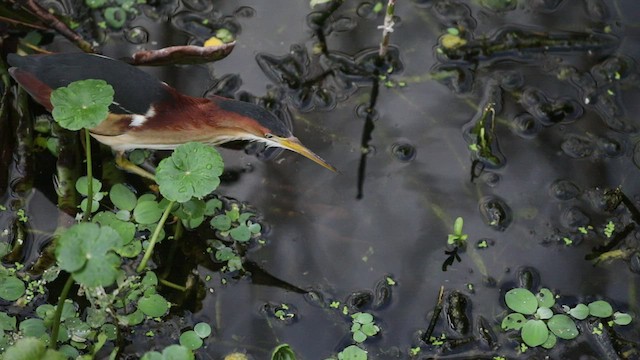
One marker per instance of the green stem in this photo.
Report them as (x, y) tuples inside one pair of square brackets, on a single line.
[(55, 328), (89, 208), (154, 237), (172, 285)]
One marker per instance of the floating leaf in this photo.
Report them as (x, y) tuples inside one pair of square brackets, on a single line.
[(7, 323), (580, 312), (352, 352), (534, 332), (202, 329), (545, 298), (522, 301), (85, 250), (563, 327), (621, 318), (551, 342), (601, 309), (147, 212), (82, 104), (191, 340), (153, 305), (513, 321), (240, 233), (221, 222), (122, 197), (544, 313), (193, 170), (11, 288), (177, 352)]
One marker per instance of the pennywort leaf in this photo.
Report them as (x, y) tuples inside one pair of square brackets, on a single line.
[(82, 104)]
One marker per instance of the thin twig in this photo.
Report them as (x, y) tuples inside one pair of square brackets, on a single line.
[(387, 28)]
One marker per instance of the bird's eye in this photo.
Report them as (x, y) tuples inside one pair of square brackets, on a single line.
[(268, 136)]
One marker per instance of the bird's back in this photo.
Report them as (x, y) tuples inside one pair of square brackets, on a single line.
[(134, 89)]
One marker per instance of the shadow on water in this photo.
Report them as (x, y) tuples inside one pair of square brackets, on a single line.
[(521, 128)]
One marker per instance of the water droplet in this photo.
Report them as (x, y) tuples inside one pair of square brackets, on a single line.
[(564, 190), (403, 151), (209, 167), (495, 212), (137, 35)]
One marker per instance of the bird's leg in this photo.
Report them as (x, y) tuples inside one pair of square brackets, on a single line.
[(127, 165)]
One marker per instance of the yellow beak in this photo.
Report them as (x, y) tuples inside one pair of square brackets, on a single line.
[(293, 144)]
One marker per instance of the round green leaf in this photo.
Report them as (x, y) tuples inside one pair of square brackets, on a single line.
[(221, 222), (115, 17), (352, 352), (545, 298), (7, 323), (193, 170), (153, 305), (202, 329), (85, 250), (147, 212), (534, 333), (551, 342), (132, 319), (580, 312), (82, 186), (28, 348), (82, 104), (522, 301), (152, 355), (601, 309), (191, 340), (177, 352), (621, 318), (122, 197), (359, 336), (110, 330), (563, 327), (126, 230), (513, 321), (11, 288), (211, 206), (240, 233), (362, 318), (32, 327), (544, 313)]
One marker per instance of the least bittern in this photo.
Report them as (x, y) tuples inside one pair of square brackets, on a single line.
[(149, 114)]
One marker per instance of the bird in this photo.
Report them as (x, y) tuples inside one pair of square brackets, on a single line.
[(147, 113)]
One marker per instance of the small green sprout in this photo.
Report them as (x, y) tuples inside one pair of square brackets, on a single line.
[(22, 216), (414, 351), (283, 352), (457, 238), (609, 229)]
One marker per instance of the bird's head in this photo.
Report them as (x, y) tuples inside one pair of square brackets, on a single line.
[(258, 124)]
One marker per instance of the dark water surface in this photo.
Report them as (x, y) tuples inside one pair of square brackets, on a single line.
[(566, 130)]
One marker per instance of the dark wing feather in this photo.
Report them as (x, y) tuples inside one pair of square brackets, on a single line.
[(135, 90)]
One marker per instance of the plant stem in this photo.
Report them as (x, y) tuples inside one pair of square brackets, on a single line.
[(387, 28), (55, 328), (172, 285), (154, 237), (89, 208)]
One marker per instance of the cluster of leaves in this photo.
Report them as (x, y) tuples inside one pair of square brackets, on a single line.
[(545, 327), (235, 229), (93, 252), (114, 12)]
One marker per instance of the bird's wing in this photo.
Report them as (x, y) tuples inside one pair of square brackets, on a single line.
[(135, 90)]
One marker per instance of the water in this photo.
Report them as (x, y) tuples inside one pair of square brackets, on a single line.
[(560, 135)]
